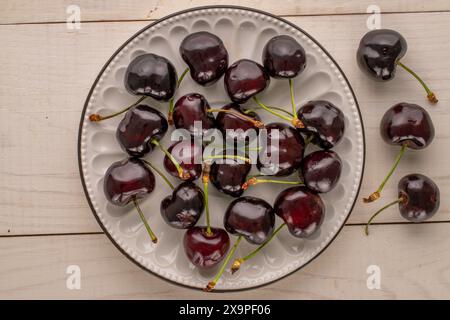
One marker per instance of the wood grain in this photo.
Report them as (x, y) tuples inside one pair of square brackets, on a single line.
[(39, 11), (47, 72), (414, 261)]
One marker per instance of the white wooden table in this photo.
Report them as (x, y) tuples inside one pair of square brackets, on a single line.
[(46, 71)]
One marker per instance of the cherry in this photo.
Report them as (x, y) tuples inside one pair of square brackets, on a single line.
[(418, 199), (288, 143), (206, 56), (250, 217), (244, 79), (323, 121), (140, 126), (184, 206), (301, 209), (284, 57), (229, 175), (237, 127), (206, 250), (189, 156), (128, 181), (151, 75), (321, 170), (406, 125), (380, 52), (191, 108)]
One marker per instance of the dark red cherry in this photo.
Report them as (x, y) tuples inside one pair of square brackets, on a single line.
[(235, 128), (409, 124), (284, 57), (321, 170), (206, 56), (189, 156), (184, 207), (128, 180), (324, 121), (378, 52), (192, 108), (301, 209), (419, 197), (151, 75), (284, 150), (229, 175), (250, 217), (244, 79), (139, 127), (206, 250)]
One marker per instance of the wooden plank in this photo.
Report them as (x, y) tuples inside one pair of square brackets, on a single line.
[(413, 259), (38, 11), (47, 72)]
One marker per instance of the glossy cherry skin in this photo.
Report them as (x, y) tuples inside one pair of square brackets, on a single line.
[(229, 175), (289, 145), (301, 209), (151, 75), (184, 206), (189, 156), (203, 250), (324, 121), (190, 108), (127, 180), (138, 128), (421, 197), (244, 79), (206, 56), (378, 52), (407, 123), (234, 128), (321, 170), (250, 217), (283, 57)]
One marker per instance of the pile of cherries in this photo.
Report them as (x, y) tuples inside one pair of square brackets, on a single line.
[(318, 122)]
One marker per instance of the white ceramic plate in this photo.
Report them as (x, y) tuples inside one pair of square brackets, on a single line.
[(244, 32)]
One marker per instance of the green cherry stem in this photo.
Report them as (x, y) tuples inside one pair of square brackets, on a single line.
[(238, 262), (247, 111), (366, 230), (144, 220), (376, 195), (430, 95), (205, 181), (292, 119), (225, 156), (160, 173), (291, 90), (182, 174), (252, 181), (172, 100), (95, 117), (213, 283)]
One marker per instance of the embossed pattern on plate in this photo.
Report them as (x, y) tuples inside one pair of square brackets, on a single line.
[(244, 33)]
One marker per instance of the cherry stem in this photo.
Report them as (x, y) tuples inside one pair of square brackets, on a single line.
[(376, 195), (171, 101), (205, 180), (225, 156), (161, 174), (238, 262), (252, 181), (258, 124), (213, 283), (184, 175), (308, 139), (430, 95), (95, 117), (144, 220), (247, 111), (291, 90), (401, 199), (292, 119)]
